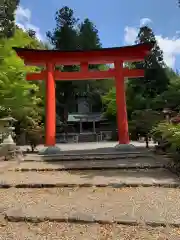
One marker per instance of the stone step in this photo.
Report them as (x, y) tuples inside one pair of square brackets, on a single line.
[(97, 150), (130, 163), (76, 157), (64, 231), (88, 178), (152, 206)]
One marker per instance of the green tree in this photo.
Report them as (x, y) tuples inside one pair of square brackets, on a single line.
[(94, 89), (168, 136), (64, 36), (155, 80), (7, 11), (144, 91), (31, 33), (143, 121), (109, 101), (70, 35), (18, 97), (88, 36), (87, 39), (171, 97)]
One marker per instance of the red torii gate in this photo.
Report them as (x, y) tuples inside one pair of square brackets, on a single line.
[(50, 58)]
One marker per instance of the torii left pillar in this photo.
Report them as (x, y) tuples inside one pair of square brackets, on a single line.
[(50, 106)]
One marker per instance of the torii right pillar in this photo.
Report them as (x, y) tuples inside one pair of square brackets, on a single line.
[(122, 121)]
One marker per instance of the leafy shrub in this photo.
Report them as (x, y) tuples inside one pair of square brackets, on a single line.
[(34, 135), (168, 132), (142, 121)]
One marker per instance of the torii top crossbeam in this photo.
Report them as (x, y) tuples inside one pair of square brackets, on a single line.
[(96, 56), (51, 58)]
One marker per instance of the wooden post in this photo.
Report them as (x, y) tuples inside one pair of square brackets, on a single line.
[(80, 124), (122, 122), (94, 126), (50, 107)]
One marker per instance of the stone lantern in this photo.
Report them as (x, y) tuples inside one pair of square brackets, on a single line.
[(6, 130), (167, 112), (8, 148)]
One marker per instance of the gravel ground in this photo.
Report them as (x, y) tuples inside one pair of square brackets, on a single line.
[(108, 204), (65, 231), (148, 176)]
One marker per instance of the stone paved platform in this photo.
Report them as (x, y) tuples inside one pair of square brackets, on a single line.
[(89, 146), (148, 205), (99, 178)]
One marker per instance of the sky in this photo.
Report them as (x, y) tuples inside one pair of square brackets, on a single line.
[(118, 21)]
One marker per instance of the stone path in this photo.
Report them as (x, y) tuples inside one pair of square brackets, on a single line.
[(159, 205), (90, 210)]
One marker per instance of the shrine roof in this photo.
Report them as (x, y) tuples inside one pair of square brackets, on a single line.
[(92, 56)]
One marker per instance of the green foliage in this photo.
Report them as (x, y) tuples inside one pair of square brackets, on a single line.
[(168, 132), (109, 100), (88, 36), (16, 95), (34, 133), (155, 91), (7, 24), (143, 121), (171, 97), (31, 33), (155, 80), (64, 36)]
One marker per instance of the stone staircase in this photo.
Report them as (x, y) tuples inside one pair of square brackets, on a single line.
[(90, 195)]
